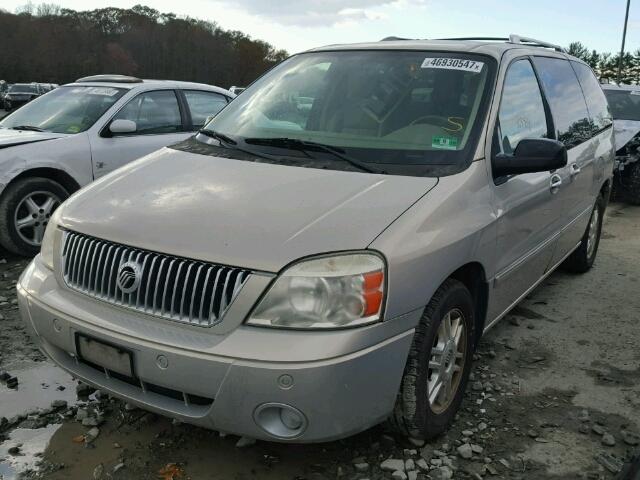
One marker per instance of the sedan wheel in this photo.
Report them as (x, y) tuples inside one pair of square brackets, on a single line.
[(26, 207), (32, 216)]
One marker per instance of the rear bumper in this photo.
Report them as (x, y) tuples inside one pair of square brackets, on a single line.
[(338, 396)]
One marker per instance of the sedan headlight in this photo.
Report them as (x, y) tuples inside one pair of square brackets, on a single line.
[(336, 291), (46, 249)]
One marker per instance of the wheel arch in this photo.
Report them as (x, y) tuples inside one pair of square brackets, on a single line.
[(472, 275), (69, 183), (605, 190)]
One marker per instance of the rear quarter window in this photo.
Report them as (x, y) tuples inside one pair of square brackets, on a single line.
[(593, 94), (564, 94)]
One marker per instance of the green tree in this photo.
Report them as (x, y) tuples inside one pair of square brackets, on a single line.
[(47, 43)]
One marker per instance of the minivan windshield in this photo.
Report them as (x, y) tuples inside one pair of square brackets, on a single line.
[(401, 112), (71, 109), (625, 104)]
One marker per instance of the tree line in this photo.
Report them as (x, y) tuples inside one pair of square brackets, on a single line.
[(49, 44), (606, 65)]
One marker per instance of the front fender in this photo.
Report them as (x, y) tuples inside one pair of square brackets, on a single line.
[(70, 155)]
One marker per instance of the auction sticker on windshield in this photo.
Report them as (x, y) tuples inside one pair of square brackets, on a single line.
[(447, 143), (453, 64)]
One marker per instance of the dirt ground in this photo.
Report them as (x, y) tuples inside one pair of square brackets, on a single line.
[(555, 394)]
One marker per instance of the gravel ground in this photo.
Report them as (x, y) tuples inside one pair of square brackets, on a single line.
[(555, 394)]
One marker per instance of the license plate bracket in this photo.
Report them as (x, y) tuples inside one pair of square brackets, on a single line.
[(105, 355)]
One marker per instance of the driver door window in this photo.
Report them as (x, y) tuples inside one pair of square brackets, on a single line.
[(153, 112), (522, 113)]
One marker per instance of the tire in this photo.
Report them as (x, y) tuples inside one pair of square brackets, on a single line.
[(581, 260), (629, 184), (14, 205), (414, 414)]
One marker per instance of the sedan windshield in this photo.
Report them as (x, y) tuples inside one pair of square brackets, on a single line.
[(23, 88), (625, 104), (71, 109), (401, 112)]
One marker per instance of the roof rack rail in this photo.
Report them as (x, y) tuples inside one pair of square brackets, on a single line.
[(490, 39), (535, 43), (517, 39), (109, 78)]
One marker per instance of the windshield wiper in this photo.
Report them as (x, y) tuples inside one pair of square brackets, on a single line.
[(225, 141), (218, 136), (30, 128), (303, 145)]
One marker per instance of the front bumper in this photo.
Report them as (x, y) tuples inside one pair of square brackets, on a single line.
[(342, 381)]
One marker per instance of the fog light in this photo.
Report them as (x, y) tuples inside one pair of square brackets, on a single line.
[(280, 420), (291, 419)]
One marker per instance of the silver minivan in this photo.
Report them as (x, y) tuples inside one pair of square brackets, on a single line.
[(328, 251)]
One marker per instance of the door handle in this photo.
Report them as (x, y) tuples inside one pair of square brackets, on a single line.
[(556, 183), (575, 169)]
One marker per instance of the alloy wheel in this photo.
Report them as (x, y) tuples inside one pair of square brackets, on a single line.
[(446, 364), (33, 214), (594, 229)]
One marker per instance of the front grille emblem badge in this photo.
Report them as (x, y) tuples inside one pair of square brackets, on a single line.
[(129, 276)]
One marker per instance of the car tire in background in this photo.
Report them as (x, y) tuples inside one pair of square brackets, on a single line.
[(581, 260), (442, 350), (25, 208)]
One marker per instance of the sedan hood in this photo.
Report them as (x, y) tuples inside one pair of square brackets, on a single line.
[(12, 138), (240, 213)]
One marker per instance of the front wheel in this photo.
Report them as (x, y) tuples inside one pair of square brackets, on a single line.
[(581, 260), (25, 208), (438, 366)]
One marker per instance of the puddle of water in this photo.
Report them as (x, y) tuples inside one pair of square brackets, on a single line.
[(34, 442), (37, 388)]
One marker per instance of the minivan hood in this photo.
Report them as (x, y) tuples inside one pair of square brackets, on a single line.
[(234, 212), (12, 138)]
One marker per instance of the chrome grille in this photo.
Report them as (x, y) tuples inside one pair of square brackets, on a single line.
[(175, 288)]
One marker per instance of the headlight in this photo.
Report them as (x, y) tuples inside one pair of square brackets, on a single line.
[(46, 249), (328, 292)]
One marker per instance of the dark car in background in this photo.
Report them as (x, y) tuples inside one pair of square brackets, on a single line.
[(624, 102), (20, 93)]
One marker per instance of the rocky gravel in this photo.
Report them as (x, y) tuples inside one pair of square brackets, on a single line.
[(554, 394)]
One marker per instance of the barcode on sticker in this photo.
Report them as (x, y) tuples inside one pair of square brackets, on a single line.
[(453, 64)]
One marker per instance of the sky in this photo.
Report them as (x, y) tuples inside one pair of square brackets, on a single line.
[(296, 25)]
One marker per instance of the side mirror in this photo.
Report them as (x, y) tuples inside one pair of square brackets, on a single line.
[(123, 126), (531, 155)]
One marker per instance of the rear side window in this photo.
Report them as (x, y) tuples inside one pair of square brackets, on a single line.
[(203, 104), (521, 112), (596, 101), (559, 81)]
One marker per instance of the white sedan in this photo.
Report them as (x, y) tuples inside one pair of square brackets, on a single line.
[(77, 133)]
